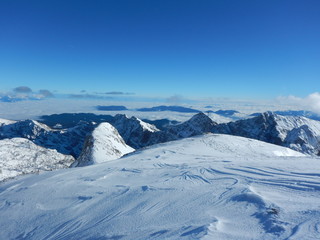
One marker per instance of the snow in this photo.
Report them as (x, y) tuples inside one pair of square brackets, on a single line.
[(21, 156), (147, 127), (102, 135), (287, 123), (5, 122), (105, 144), (206, 187)]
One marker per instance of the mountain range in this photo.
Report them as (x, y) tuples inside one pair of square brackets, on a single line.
[(89, 142), (127, 179)]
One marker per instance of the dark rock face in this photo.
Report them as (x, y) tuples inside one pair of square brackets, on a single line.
[(138, 134), (197, 125), (134, 131), (262, 127)]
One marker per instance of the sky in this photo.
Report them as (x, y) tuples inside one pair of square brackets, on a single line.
[(160, 48)]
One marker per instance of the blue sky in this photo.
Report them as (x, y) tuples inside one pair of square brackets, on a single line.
[(199, 48)]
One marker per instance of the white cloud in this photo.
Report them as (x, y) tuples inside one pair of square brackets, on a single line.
[(310, 103)]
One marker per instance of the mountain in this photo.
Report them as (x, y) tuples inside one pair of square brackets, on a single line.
[(197, 125), (21, 156), (5, 122), (168, 108), (111, 108), (226, 113), (103, 144), (300, 113), (68, 141), (307, 114), (68, 120), (138, 134), (161, 124), (135, 132), (205, 187), (299, 133)]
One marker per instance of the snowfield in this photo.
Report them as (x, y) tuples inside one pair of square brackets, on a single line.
[(207, 187)]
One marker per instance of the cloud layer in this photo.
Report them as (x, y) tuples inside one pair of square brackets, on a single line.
[(118, 93), (310, 103)]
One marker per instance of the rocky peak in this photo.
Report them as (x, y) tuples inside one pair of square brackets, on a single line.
[(201, 122), (298, 133), (134, 131), (103, 144)]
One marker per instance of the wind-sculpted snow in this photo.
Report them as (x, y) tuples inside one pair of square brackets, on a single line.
[(20, 156), (206, 187)]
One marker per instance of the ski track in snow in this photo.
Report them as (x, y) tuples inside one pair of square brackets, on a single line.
[(209, 187)]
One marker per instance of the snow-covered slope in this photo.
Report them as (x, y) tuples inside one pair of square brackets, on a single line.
[(299, 133), (207, 187), (5, 122), (104, 144), (21, 156)]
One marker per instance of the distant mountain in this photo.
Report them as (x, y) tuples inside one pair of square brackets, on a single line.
[(138, 134), (103, 144), (111, 108), (197, 125), (226, 113), (135, 132), (68, 120), (168, 108), (68, 141), (300, 113), (21, 156), (10, 99), (162, 124), (5, 122), (298, 133)]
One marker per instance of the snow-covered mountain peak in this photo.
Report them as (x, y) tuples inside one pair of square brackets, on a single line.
[(146, 126), (201, 120), (104, 144), (281, 130), (134, 131), (134, 122), (6, 122), (30, 129)]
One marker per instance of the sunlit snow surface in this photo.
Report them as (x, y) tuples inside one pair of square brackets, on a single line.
[(208, 187)]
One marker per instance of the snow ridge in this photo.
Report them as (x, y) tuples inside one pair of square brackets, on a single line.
[(104, 144)]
